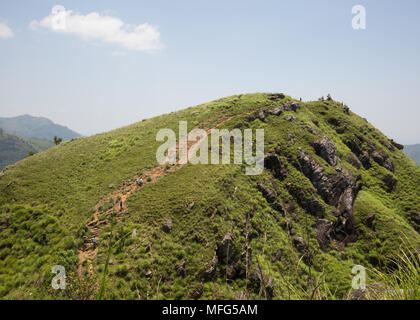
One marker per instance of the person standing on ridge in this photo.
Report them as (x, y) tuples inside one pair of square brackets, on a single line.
[(121, 205)]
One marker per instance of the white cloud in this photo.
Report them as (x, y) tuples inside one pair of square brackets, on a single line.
[(5, 31), (98, 27)]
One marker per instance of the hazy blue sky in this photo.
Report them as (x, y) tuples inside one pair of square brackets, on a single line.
[(103, 73)]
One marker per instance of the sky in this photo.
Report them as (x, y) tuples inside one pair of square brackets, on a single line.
[(113, 63)]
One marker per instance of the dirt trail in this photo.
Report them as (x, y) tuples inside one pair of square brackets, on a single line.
[(89, 252)]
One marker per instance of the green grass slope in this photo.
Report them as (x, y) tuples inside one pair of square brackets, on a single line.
[(50, 197), (14, 148)]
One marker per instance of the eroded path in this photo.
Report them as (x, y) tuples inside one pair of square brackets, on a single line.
[(89, 251)]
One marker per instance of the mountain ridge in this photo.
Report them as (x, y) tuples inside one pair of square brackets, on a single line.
[(36, 127), (14, 148), (335, 192), (413, 151)]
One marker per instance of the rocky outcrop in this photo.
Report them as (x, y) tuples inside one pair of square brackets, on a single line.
[(397, 145), (346, 109), (352, 159), (324, 228), (270, 196), (267, 193), (365, 159), (272, 163), (225, 250), (261, 115), (310, 129), (274, 112), (259, 280), (293, 106), (303, 248), (235, 270), (390, 182), (276, 96), (383, 160), (338, 190), (334, 122), (291, 118), (326, 149), (208, 273)]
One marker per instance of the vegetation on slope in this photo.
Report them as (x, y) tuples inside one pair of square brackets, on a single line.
[(283, 231), (14, 148)]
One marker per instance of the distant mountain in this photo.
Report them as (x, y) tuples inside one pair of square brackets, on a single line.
[(413, 151), (36, 127), (14, 148)]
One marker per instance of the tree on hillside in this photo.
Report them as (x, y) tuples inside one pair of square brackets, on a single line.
[(57, 140)]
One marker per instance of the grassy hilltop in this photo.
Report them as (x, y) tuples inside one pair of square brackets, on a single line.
[(335, 193)]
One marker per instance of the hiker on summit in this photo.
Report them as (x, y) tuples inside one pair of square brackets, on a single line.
[(141, 182), (94, 242), (123, 183), (121, 205), (137, 182)]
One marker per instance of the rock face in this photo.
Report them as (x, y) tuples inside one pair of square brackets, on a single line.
[(276, 96), (383, 160), (208, 273), (225, 249), (338, 190), (397, 145), (274, 112), (291, 118), (272, 162), (293, 106), (390, 182), (352, 159), (310, 129), (270, 196), (326, 149), (365, 159), (303, 248), (259, 280), (324, 228)]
